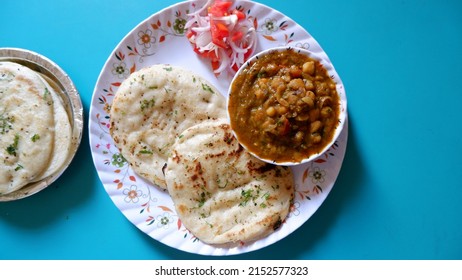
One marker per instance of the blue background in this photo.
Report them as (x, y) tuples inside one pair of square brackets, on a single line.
[(399, 192)]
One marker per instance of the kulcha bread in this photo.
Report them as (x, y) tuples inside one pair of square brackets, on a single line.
[(26, 126), (221, 193), (150, 110)]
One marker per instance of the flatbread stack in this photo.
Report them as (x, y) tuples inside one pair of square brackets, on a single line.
[(171, 126), (35, 131)]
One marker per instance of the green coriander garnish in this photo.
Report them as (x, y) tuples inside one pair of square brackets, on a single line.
[(35, 137), (262, 74), (246, 196), (46, 97), (11, 149), (146, 152), (202, 199), (207, 88), (203, 196), (18, 167), (145, 104), (46, 93)]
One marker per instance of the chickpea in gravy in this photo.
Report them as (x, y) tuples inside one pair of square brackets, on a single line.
[(284, 106)]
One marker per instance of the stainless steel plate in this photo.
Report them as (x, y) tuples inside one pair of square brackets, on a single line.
[(64, 86)]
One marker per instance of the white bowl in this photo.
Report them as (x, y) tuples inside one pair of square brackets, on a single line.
[(322, 58)]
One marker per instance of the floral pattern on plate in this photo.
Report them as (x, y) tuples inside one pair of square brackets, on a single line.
[(161, 39)]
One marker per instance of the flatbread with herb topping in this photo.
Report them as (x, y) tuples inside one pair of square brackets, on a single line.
[(26, 126), (152, 107), (221, 193)]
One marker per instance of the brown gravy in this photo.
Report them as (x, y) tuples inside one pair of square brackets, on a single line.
[(284, 107)]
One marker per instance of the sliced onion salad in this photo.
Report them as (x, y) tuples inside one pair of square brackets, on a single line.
[(222, 34)]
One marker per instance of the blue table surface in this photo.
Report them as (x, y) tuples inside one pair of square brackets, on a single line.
[(398, 194)]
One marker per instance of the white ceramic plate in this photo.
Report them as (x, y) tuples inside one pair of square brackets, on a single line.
[(161, 39)]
